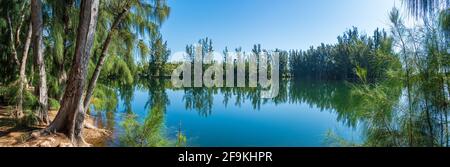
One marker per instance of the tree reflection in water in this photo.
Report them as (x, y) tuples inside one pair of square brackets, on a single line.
[(378, 110)]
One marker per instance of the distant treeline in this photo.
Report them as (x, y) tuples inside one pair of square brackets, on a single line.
[(355, 57)]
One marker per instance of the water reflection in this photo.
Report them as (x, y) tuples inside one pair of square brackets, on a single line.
[(305, 111), (149, 132)]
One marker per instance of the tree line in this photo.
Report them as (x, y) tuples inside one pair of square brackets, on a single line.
[(354, 54)]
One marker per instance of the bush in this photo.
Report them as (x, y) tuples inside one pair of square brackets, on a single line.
[(53, 104), (30, 101), (29, 119)]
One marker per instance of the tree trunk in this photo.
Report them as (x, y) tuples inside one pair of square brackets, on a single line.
[(22, 75), (13, 44), (103, 56), (430, 125), (38, 51), (72, 105), (22, 18)]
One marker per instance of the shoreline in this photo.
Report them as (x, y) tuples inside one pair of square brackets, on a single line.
[(13, 136)]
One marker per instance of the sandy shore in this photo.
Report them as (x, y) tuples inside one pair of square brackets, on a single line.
[(11, 136)]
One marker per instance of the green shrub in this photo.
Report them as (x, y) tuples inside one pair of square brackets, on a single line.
[(53, 104), (30, 101), (29, 119)]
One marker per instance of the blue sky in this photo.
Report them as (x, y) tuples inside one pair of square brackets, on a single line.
[(284, 24)]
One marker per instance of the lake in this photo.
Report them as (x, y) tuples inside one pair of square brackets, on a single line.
[(305, 113)]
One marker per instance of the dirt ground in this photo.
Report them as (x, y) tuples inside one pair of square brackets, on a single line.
[(12, 136)]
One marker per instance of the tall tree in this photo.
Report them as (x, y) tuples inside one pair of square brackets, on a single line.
[(104, 52), (22, 74), (138, 20), (38, 51), (15, 31), (159, 54), (17, 14), (72, 105)]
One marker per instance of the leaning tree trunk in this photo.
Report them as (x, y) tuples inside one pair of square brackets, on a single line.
[(13, 45), (72, 105), (38, 51), (103, 56), (22, 75)]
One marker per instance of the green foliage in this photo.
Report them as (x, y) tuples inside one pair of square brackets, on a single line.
[(159, 54), (140, 24), (54, 87), (30, 119), (53, 104), (117, 70), (181, 139), (10, 97), (30, 100), (445, 20), (283, 63), (206, 45), (361, 73), (146, 134), (334, 140), (420, 116), (342, 60), (104, 99), (3, 23), (3, 92), (13, 11)]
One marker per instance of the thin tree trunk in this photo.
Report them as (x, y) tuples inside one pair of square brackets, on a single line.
[(38, 50), (13, 44), (446, 128), (72, 105), (442, 129), (23, 77), (22, 18), (408, 86), (444, 107), (430, 126), (103, 56), (33, 62)]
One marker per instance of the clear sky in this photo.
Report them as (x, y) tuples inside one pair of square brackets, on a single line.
[(284, 24)]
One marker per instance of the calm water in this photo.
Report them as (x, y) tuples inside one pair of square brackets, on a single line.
[(303, 114)]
